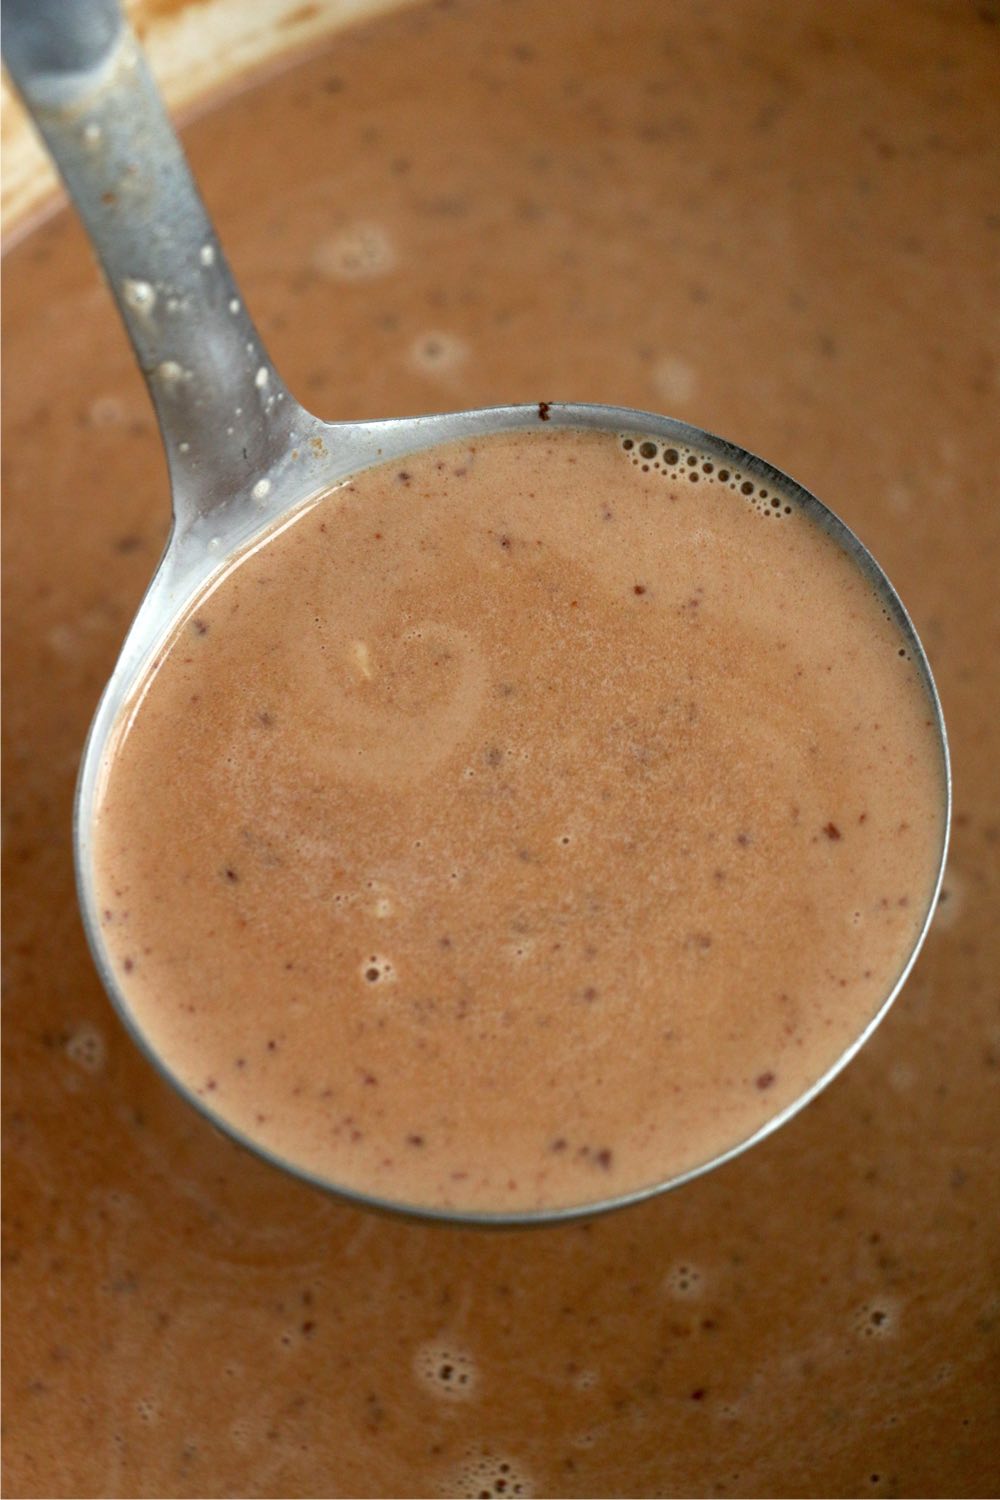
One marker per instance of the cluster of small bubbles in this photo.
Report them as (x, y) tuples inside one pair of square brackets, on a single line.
[(482, 1475), (448, 1371), (586, 1380), (358, 252), (683, 1281), (875, 1321), (649, 455), (148, 1410), (86, 1047), (261, 490), (436, 353), (377, 969), (762, 500)]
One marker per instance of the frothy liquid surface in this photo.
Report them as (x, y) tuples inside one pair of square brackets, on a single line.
[(523, 826)]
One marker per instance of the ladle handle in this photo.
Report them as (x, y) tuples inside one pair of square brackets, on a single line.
[(224, 414)]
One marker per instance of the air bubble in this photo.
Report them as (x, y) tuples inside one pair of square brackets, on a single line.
[(262, 378), (261, 489), (450, 1372), (359, 252), (377, 969), (876, 1320), (483, 1474), (86, 1047), (106, 411), (683, 1281), (207, 255), (438, 353), (519, 951)]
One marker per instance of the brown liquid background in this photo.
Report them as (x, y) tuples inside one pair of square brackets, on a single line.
[(798, 201)]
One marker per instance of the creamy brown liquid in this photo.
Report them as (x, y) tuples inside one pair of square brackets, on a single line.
[(520, 827), (779, 221)]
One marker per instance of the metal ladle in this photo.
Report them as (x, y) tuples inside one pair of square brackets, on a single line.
[(241, 451)]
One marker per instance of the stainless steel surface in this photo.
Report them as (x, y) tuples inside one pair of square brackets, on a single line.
[(241, 452)]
